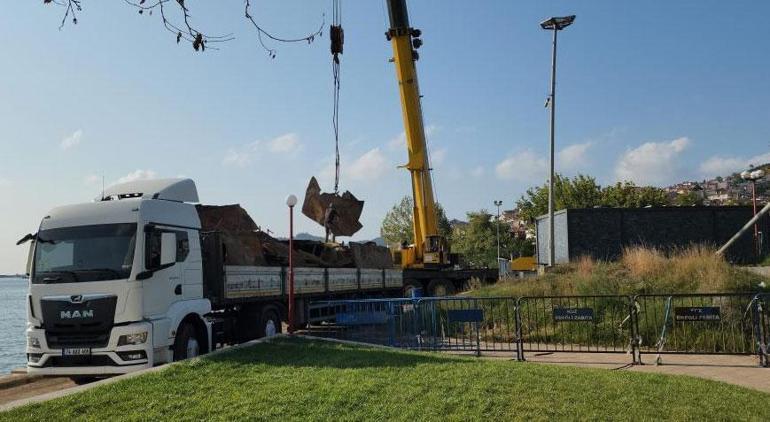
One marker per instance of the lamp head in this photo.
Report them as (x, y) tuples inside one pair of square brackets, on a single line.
[(557, 23), (291, 201)]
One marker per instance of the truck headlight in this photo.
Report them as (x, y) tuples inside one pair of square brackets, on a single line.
[(33, 342), (136, 338)]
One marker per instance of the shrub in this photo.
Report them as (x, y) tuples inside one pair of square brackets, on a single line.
[(695, 269)]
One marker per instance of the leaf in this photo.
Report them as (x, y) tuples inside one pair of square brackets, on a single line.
[(141, 11), (178, 37), (198, 43), (141, 1)]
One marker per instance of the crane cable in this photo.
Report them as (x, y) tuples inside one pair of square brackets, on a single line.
[(337, 36)]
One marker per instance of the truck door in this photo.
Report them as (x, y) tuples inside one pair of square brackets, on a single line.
[(166, 285)]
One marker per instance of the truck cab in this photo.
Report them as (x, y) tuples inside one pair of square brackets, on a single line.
[(116, 284)]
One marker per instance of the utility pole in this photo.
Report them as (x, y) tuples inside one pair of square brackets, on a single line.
[(554, 24), (497, 204)]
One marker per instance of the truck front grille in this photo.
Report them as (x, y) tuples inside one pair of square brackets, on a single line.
[(60, 340), (97, 360)]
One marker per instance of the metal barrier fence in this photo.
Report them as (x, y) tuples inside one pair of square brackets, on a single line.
[(591, 324), (456, 324), (736, 324), (697, 324)]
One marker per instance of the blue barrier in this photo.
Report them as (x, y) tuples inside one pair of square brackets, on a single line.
[(715, 323)]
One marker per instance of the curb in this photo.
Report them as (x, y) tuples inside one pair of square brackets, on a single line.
[(349, 342), (106, 381)]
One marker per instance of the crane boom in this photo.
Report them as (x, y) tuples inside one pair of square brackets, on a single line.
[(429, 247)]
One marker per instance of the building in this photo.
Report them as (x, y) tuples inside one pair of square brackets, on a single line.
[(603, 233)]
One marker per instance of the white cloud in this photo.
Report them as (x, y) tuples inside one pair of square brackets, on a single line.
[(652, 163), (138, 175), (241, 156), (478, 171), (92, 180), (399, 141), (72, 140), (525, 166), (369, 166), (244, 155), (758, 160), (528, 166), (237, 158), (438, 157), (286, 143), (574, 156), (723, 166)]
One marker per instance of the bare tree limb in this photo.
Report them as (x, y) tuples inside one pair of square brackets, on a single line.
[(260, 31), (181, 26)]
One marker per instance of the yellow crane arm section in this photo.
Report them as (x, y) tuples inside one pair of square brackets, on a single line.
[(425, 218)]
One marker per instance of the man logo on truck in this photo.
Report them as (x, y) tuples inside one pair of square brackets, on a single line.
[(86, 313)]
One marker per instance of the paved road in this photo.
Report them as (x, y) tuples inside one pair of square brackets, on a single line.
[(738, 370)]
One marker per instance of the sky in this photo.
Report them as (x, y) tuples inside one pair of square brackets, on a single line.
[(654, 92)]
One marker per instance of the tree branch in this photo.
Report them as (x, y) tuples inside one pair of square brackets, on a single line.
[(182, 26)]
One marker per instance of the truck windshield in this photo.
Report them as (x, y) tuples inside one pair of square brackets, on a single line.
[(84, 253)]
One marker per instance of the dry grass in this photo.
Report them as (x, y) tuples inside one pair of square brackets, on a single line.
[(585, 266), (644, 262), (640, 270)]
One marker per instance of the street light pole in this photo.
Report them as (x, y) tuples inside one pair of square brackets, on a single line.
[(291, 201), (497, 204), (555, 24), (753, 176), (551, 246)]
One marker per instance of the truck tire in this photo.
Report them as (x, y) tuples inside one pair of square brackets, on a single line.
[(186, 344), (441, 287), (270, 322), (409, 286)]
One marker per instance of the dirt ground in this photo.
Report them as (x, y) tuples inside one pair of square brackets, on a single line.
[(19, 385)]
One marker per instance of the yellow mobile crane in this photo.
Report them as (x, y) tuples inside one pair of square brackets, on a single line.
[(427, 262), (429, 248)]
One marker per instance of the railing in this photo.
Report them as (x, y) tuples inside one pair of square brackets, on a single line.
[(736, 324), (697, 324)]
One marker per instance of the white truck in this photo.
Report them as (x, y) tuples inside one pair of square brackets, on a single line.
[(130, 281)]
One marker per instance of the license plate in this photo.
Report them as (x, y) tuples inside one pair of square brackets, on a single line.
[(76, 351)]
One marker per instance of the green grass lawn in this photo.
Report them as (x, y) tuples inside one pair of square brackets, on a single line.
[(304, 380)]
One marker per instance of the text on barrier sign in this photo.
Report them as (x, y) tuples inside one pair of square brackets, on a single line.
[(573, 314), (697, 313), (465, 315)]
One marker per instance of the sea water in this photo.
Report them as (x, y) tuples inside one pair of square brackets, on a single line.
[(13, 296)]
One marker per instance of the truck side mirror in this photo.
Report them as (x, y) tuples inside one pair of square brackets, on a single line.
[(167, 249), (30, 257)]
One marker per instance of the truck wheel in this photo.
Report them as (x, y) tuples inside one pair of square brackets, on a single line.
[(410, 286), (270, 323), (438, 288), (186, 344)]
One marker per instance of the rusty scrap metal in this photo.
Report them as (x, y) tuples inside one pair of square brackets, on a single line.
[(346, 206)]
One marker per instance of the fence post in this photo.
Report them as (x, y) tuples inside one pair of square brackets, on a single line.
[(391, 315), (519, 340), (636, 355), (759, 317)]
